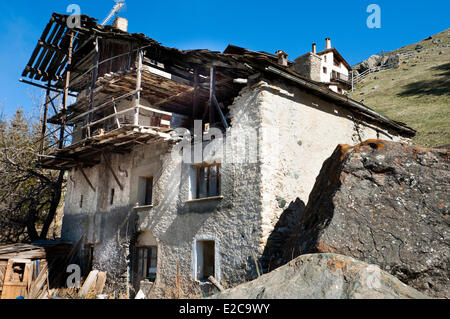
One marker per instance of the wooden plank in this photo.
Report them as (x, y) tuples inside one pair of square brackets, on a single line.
[(38, 284), (100, 284), (89, 283), (17, 278)]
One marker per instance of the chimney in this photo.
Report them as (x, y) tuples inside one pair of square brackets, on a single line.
[(121, 24), (327, 43), (282, 58), (314, 48)]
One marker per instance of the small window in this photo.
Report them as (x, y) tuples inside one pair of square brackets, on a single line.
[(146, 191), (325, 70), (336, 62), (111, 200), (18, 271), (81, 201), (147, 258), (325, 58), (205, 259), (207, 181)]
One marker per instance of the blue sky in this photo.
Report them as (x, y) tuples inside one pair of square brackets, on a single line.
[(258, 25)]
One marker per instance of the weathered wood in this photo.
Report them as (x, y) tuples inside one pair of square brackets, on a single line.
[(66, 93), (89, 283), (216, 283), (212, 93), (87, 179), (100, 284), (196, 94), (137, 98), (44, 119), (15, 286), (219, 110), (93, 81), (112, 171)]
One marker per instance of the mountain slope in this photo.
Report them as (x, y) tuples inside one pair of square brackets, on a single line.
[(417, 92)]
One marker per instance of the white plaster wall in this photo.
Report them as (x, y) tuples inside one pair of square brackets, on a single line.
[(299, 132), (329, 64)]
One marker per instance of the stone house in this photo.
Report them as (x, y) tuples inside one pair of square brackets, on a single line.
[(182, 164), (327, 66)]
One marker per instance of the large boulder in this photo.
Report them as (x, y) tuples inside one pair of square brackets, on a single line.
[(384, 203), (324, 276), (370, 63)]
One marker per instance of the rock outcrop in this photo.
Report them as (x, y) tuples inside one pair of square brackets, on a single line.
[(384, 203), (324, 276), (388, 61)]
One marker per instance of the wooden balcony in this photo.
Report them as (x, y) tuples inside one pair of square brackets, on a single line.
[(339, 77)]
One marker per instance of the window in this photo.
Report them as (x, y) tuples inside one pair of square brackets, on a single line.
[(205, 259), (325, 58), (325, 70), (18, 272), (147, 258), (207, 183), (81, 201), (146, 191), (336, 62)]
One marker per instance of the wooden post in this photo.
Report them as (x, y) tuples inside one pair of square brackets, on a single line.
[(212, 93), (66, 93), (44, 119), (195, 98), (137, 98), (222, 117), (93, 80)]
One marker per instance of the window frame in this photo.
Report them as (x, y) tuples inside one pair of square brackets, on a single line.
[(198, 168), (148, 184), (142, 270), (145, 183)]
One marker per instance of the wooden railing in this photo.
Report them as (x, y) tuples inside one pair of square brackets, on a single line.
[(336, 76)]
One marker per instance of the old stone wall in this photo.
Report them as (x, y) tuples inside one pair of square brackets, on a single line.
[(285, 133), (309, 65)]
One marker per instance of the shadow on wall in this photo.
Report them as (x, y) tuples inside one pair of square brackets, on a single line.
[(280, 235), (438, 86)]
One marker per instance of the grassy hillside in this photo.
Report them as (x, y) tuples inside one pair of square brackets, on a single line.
[(417, 93)]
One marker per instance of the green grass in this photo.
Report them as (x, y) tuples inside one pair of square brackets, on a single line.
[(417, 93)]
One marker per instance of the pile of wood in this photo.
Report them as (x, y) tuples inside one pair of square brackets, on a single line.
[(94, 283), (24, 269)]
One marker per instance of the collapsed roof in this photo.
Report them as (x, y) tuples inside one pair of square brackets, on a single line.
[(170, 81)]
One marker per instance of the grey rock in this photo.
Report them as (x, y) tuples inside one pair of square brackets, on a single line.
[(324, 276), (370, 63), (384, 203)]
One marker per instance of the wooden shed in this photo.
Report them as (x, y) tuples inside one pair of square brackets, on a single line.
[(25, 267)]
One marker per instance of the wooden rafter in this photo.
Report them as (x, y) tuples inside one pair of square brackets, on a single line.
[(87, 179), (112, 171)]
